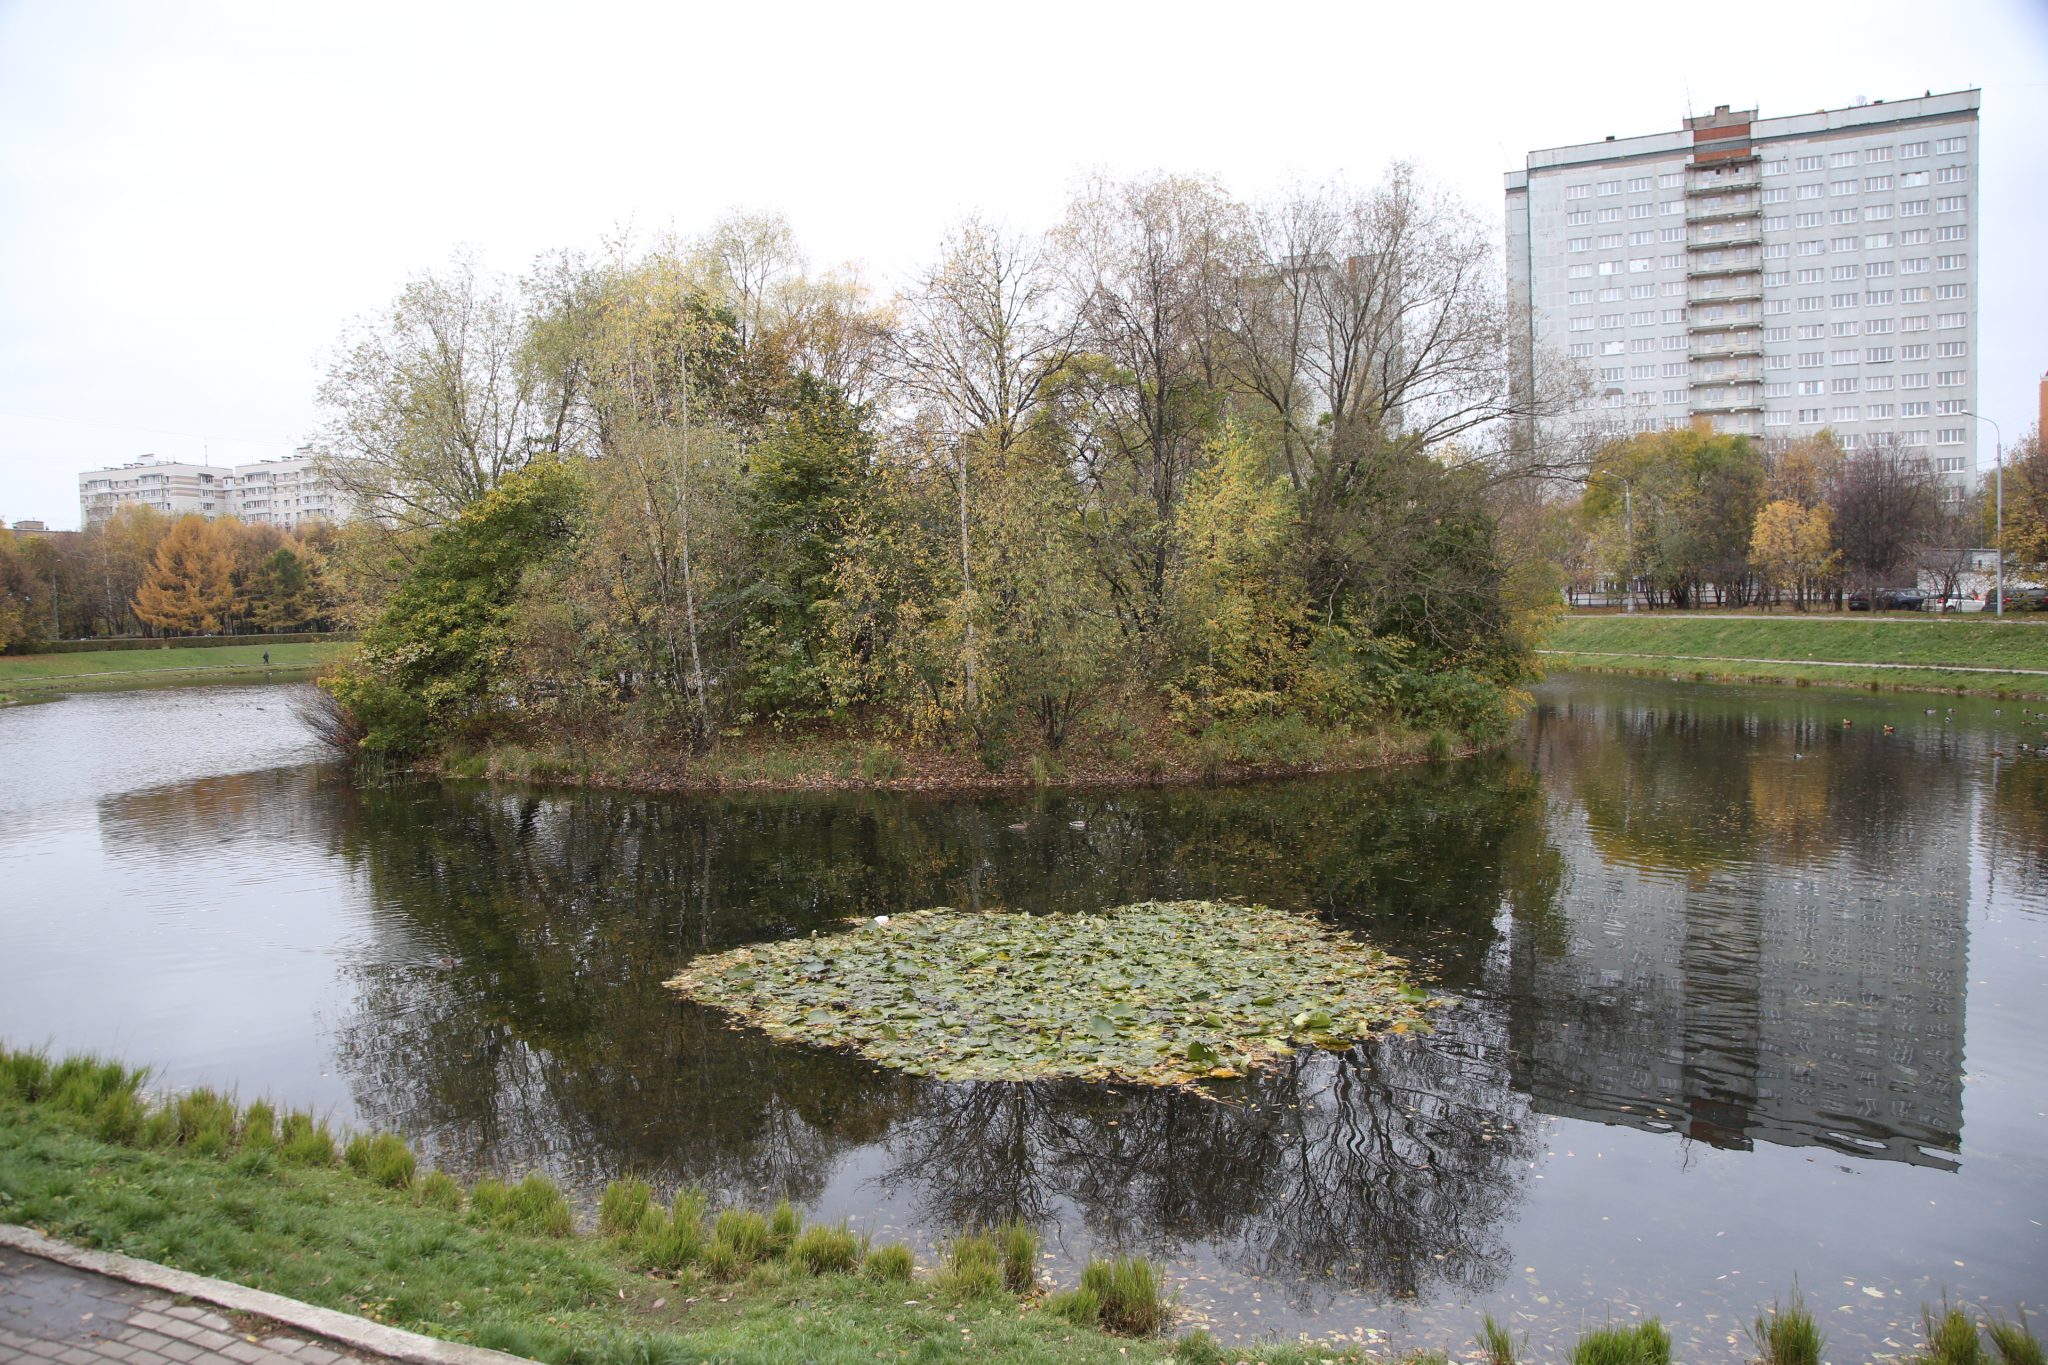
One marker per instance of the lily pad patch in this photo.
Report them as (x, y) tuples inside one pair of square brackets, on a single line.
[(1158, 993)]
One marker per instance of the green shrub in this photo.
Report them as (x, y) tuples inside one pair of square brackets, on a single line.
[(890, 1262), (438, 1190), (1494, 1338), (1020, 1256), (620, 1207), (822, 1250), (120, 1117), (304, 1141), (974, 1266), (2015, 1342), (1646, 1343), (1460, 700), (78, 1084), (744, 1233), (1130, 1293), (879, 764), (783, 1225), (382, 1158), (1082, 1306), (259, 1126), (1199, 1348), (722, 1261), (672, 1240), (25, 1075), (206, 1122), (1951, 1338), (1788, 1335), (538, 1205)]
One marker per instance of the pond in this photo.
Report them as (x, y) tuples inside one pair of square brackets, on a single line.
[(1731, 969)]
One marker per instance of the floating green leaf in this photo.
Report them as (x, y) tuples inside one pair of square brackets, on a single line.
[(1162, 993)]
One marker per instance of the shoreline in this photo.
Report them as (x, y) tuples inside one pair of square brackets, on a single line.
[(833, 766)]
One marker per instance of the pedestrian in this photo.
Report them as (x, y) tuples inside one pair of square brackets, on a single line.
[(266, 658)]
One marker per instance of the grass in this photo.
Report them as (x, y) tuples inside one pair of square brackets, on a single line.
[(122, 668), (1788, 1335), (1645, 1343), (1810, 649), (1500, 1347), (502, 1267)]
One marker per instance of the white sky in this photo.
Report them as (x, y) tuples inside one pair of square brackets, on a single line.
[(194, 198)]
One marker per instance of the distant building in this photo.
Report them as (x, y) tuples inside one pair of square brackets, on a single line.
[(285, 493), (1773, 276)]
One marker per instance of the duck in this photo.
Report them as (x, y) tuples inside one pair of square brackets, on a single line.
[(1891, 729)]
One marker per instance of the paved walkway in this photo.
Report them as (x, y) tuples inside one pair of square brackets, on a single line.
[(1801, 663), (52, 1313)]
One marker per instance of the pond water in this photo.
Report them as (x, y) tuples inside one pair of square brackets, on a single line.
[(1743, 993)]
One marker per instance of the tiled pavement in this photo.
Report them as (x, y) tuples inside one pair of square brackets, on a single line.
[(53, 1313)]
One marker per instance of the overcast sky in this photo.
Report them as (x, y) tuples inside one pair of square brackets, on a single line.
[(194, 198)]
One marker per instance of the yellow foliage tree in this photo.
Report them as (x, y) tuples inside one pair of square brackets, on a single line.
[(190, 585), (1793, 546)]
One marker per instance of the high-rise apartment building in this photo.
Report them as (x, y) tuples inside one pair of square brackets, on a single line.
[(1775, 276), (285, 492)]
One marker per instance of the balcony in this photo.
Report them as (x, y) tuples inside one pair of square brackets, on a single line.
[(1747, 235), (1753, 209), (1699, 189), (1733, 349), (1721, 409), (1700, 270), (1697, 325), (1723, 381)]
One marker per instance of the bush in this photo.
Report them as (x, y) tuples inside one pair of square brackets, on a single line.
[(382, 1158), (1460, 700), (1951, 1338), (121, 1117), (673, 1239), (438, 1190), (1020, 1257), (302, 1141), (1788, 1335), (1646, 1343), (534, 1205), (742, 1232), (821, 1250), (620, 1208), (783, 1225), (1262, 741), (1130, 1293), (206, 1122), (2015, 1342), (891, 1262), (1082, 1306), (259, 1126), (1499, 1346), (25, 1074), (974, 1266), (78, 1084)]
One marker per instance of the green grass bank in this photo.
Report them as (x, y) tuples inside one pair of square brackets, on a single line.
[(1973, 654), (276, 1201), (125, 668)]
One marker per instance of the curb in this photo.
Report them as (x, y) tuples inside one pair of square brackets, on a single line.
[(360, 1334)]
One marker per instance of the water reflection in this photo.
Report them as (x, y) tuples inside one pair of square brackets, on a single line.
[(1690, 918)]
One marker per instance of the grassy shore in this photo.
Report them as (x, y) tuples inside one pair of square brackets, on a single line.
[(275, 1201), (125, 668), (1973, 654)]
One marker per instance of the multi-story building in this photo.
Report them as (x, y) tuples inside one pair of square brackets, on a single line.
[(284, 493), (1775, 276)]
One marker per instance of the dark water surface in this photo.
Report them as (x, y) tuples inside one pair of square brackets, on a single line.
[(1742, 994)]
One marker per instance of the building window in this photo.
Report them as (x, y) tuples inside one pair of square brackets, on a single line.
[(1809, 360), (1808, 163), (1578, 272), (1913, 409), (1952, 262), (1670, 206), (1578, 244), (1878, 270), (1641, 210), (1948, 379), (1844, 300), (1877, 241), (1776, 167), (1954, 232), (1950, 145), (1952, 203), (1846, 272), (1577, 191), (1877, 213), (1674, 343), (1776, 196), (1951, 291), (1876, 184), (1607, 187), (1945, 321), (1638, 183), (1578, 218), (1609, 215), (1949, 407), (1842, 187), (1582, 350), (1915, 209), (1952, 175), (1950, 436), (1813, 191), (1916, 265)]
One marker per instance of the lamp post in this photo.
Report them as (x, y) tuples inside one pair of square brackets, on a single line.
[(2000, 525)]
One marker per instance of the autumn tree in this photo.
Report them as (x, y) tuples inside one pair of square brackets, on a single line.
[(1792, 547), (190, 585), (432, 404), (1886, 505)]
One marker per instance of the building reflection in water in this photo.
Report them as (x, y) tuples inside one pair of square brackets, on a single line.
[(1653, 917)]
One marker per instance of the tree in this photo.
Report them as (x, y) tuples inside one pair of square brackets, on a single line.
[(435, 403), (1792, 547), (122, 549), (431, 658), (1145, 264), (1678, 508), (1886, 503), (2026, 506), (23, 619), (190, 585)]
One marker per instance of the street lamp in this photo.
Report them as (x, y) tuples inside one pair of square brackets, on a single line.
[(2000, 528)]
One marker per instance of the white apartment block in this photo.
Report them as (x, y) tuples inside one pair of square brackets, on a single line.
[(284, 493), (1775, 276)]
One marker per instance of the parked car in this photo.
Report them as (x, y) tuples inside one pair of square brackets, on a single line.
[(2026, 599), (1892, 599)]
